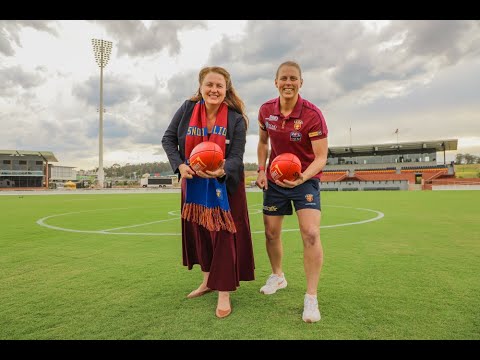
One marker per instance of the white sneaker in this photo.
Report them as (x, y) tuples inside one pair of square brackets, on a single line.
[(273, 284), (310, 309)]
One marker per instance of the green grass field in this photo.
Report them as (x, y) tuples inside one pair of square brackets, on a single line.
[(109, 267)]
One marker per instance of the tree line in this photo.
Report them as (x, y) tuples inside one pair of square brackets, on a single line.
[(135, 171), (467, 159)]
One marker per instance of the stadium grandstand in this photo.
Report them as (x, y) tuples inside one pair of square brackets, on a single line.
[(392, 166), (25, 169), (399, 166)]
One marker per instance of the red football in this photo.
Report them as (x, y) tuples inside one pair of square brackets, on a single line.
[(206, 156), (286, 166)]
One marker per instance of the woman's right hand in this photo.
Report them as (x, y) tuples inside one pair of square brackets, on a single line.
[(186, 171), (262, 181)]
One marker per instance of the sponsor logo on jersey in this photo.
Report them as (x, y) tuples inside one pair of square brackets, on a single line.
[(272, 118), (271, 126), (315, 133), (295, 136)]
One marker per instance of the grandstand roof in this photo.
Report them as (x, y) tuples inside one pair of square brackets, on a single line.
[(437, 145), (47, 155)]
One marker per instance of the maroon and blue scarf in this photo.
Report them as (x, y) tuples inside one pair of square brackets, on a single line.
[(206, 200)]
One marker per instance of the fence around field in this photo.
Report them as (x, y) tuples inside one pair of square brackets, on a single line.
[(456, 187), (456, 184)]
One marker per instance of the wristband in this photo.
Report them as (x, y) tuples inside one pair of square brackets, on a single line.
[(260, 168)]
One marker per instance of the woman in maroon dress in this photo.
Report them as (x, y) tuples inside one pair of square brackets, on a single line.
[(215, 225)]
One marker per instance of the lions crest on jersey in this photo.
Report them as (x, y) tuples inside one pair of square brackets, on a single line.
[(297, 124)]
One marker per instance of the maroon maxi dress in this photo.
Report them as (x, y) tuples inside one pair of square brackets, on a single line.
[(228, 257)]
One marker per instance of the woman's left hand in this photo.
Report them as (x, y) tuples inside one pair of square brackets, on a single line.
[(291, 184), (220, 172)]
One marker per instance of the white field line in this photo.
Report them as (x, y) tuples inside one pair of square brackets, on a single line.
[(176, 213)]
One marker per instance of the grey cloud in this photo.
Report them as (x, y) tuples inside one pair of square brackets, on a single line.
[(135, 39), (5, 46), (163, 106), (411, 48), (253, 60), (456, 89), (183, 86), (115, 128), (116, 91), (449, 38), (159, 151), (343, 59), (355, 75), (309, 42), (121, 98), (122, 123), (14, 79), (9, 32), (447, 107), (355, 56), (342, 63)]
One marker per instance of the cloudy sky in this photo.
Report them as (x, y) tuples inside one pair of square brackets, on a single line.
[(422, 77)]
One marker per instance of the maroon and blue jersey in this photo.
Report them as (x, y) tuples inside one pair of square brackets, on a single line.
[(293, 133)]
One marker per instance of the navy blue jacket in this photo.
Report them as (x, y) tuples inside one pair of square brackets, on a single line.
[(173, 142)]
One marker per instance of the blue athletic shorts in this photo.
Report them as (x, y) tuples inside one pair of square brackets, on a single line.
[(278, 200)]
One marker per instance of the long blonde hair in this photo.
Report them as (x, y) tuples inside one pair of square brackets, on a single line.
[(231, 97)]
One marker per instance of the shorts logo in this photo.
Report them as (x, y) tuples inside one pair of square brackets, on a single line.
[(309, 197), (270, 208), (219, 193), (297, 124), (295, 136), (272, 118)]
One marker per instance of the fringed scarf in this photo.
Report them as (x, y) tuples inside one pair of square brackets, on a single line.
[(206, 201)]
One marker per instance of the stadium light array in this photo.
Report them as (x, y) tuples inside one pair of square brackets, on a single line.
[(102, 50)]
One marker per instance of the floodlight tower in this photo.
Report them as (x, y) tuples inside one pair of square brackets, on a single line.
[(101, 50)]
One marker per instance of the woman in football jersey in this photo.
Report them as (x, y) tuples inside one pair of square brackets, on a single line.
[(293, 125)]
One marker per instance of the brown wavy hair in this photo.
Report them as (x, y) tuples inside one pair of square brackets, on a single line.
[(231, 97)]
